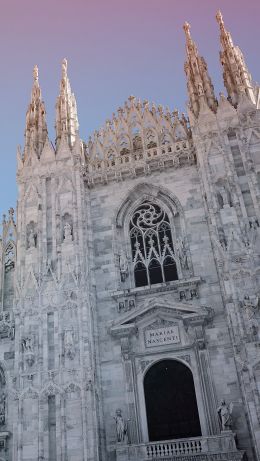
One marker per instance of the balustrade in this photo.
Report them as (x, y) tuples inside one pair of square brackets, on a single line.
[(181, 151), (219, 447)]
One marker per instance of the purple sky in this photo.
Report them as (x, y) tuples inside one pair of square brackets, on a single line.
[(114, 48)]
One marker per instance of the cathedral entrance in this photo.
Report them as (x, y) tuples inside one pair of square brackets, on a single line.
[(171, 404)]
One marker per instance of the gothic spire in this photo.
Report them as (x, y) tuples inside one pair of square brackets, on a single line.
[(199, 85), (66, 110), (237, 78), (36, 127)]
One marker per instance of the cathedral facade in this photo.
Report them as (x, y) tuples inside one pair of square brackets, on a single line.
[(129, 327)]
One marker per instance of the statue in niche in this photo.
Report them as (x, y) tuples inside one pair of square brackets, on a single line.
[(200, 89), (89, 379), (69, 346), (67, 232), (182, 253), (32, 239), (28, 350), (251, 304), (121, 427), (123, 265), (224, 415), (182, 295), (2, 409), (224, 198), (27, 344)]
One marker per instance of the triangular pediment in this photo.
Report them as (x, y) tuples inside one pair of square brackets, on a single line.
[(254, 137), (206, 116), (245, 104), (31, 159), (63, 152), (48, 154), (173, 310)]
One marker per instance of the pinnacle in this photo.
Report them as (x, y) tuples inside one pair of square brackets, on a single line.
[(36, 74), (186, 28), (64, 68), (219, 18)]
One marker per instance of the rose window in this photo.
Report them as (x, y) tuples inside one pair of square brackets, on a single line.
[(152, 247)]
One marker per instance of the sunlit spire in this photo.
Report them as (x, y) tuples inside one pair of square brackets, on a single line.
[(237, 78), (36, 127), (199, 85), (66, 110)]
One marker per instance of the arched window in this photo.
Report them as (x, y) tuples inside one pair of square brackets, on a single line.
[(9, 259), (2, 398), (171, 404), (152, 246)]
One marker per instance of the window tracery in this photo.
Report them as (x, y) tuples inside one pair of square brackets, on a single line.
[(153, 255), (9, 258)]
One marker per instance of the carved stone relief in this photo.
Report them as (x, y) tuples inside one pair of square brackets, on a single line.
[(31, 235), (28, 348), (69, 344), (125, 305)]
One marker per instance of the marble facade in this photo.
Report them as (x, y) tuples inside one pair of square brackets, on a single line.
[(79, 330)]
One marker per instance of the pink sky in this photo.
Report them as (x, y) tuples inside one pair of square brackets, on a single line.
[(114, 48)]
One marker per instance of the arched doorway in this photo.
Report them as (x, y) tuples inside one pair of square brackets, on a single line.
[(171, 404)]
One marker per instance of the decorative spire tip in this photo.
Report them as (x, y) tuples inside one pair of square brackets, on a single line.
[(219, 18), (64, 68), (36, 73), (186, 28)]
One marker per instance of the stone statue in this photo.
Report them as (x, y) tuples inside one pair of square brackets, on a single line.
[(123, 264), (121, 427), (251, 307), (200, 89), (27, 344), (28, 349), (251, 303), (225, 197), (224, 415), (31, 239), (69, 346), (67, 232), (2, 409), (182, 253)]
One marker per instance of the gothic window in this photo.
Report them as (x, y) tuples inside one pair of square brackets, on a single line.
[(150, 139), (153, 254), (9, 257), (2, 398)]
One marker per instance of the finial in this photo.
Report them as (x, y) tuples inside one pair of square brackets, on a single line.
[(219, 18), (11, 213), (160, 109), (186, 28), (175, 114), (36, 73), (64, 68), (153, 107), (131, 99)]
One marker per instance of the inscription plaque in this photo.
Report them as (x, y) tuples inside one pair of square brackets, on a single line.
[(161, 336)]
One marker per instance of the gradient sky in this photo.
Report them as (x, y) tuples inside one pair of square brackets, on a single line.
[(114, 48)]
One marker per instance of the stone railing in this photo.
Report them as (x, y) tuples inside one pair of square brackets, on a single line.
[(219, 447), (139, 162)]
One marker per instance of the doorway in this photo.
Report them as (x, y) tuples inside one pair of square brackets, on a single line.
[(171, 404)]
